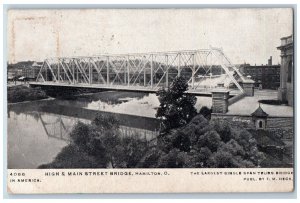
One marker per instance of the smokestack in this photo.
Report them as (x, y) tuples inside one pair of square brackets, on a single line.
[(270, 61)]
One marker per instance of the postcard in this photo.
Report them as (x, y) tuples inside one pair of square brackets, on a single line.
[(150, 100)]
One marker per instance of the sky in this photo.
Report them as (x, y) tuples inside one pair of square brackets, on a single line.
[(245, 35)]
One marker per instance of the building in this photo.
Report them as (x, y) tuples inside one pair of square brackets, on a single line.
[(27, 69), (265, 76), (286, 89), (32, 71)]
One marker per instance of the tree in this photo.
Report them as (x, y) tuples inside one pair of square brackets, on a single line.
[(176, 107), (205, 144)]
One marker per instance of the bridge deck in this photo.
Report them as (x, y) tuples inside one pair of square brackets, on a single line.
[(196, 92)]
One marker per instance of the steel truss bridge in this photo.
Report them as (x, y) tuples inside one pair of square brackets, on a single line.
[(204, 70)]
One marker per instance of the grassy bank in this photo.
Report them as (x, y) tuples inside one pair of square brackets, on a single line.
[(22, 93)]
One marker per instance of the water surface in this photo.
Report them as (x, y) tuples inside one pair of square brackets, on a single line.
[(38, 130)]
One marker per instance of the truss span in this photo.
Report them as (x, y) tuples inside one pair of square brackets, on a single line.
[(203, 69)]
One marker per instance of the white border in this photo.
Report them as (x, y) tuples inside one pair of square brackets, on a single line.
[(212, 3)]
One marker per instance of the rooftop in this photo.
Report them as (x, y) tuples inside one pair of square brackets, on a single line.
[(247, 105), (259, 112)]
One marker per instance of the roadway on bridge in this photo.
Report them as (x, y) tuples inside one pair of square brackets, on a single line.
[(196, 92)]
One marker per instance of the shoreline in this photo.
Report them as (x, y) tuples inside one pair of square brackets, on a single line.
[(27, 101)]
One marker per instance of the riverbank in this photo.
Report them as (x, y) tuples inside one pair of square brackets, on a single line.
[(25, 102), (22, 93)]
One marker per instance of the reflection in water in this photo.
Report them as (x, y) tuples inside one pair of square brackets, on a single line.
[(37, 131), (60, 127), (28, 143)]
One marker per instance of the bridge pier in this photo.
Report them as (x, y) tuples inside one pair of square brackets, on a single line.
[(248, 86), (220, 100)]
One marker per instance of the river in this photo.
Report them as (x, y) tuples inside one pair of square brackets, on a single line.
[(38, 130)]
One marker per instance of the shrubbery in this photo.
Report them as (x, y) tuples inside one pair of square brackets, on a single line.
[(22, 93), (199, 144), (203, 144)]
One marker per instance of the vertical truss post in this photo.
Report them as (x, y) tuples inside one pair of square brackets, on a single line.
[(145, 63), (151, 78), (73, 70), (125, 71), (128, 75), (90, 73), (178, 71), (92, 70), (60, 127), (77, 72), (58, 72), (46, 72), (107, 70), (193, 72), (167, 71)]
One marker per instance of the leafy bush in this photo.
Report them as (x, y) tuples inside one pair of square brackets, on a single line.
[(72, 156), (80, 135), (223, 128), (129, 151), (106, 122), (206, 112), (174, 159), (22, 93)]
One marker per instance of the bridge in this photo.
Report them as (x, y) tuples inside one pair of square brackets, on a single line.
[(204, 70)]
